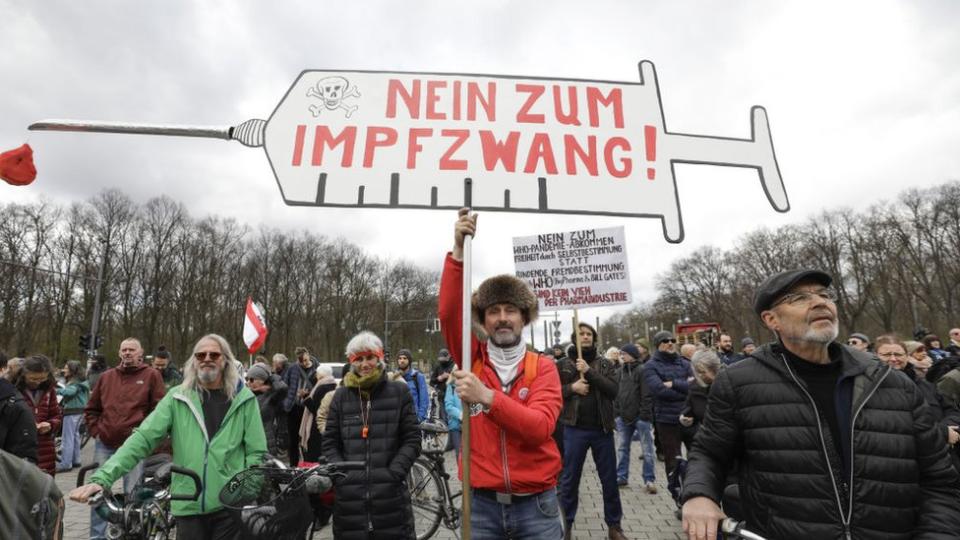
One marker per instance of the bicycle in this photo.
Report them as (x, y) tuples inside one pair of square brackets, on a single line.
[(146, 514), (271, 501), (429, 486)]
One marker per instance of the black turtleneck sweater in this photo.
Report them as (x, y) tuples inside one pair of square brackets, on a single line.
[(821, 381)]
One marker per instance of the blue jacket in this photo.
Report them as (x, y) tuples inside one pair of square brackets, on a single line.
[(291, 377), (451, 403), (667, 402), (418, 389)]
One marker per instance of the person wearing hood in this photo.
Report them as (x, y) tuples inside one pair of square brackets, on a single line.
[(372, 419), (415, 381), (589, 385), (310, 435), (213, 422), (668, 376), (830, 443), (270, 391), (121, 398)]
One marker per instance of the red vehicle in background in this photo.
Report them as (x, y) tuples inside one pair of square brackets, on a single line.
[(707, 333)]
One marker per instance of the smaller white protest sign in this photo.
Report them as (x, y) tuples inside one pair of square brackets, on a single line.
[(575, 269)]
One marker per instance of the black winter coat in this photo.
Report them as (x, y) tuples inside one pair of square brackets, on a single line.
[(633, 400), (373, 503), (18, 430), (602, 377), (901, 481), (667, 402)]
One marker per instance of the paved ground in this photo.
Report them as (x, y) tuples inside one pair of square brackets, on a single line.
[(645, 516)]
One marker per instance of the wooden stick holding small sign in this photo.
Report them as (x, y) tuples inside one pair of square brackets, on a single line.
[(576, 339)]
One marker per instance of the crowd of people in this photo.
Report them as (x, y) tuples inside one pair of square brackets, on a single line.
[(802, 437)]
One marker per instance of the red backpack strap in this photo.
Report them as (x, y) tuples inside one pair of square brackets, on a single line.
[(531, 367)]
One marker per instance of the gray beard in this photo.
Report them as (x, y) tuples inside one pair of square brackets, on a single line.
[(822, 336), (208, 376)]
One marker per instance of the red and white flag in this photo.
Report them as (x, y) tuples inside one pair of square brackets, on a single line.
[(254, 326)]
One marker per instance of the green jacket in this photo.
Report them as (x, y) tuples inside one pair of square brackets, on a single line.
[(237, 445), (75, 396)]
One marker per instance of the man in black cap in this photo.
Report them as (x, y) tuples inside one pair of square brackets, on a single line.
[(859, 341), (830, 442), (668, 376)]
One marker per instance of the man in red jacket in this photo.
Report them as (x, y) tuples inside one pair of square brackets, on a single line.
[(121, 399), (514, 400)]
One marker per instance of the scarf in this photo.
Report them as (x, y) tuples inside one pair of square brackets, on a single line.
[(365, 383), (506, 361)]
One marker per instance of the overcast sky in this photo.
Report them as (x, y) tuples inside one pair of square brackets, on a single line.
[(863, 101)]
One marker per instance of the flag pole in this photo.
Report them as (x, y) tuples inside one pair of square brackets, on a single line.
[(467, 365)]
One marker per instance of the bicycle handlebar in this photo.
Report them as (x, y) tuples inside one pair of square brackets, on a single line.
[(82, 473), (736, 528), (197, 484)]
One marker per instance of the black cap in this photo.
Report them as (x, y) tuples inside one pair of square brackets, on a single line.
[(661, 336), (777, 285)]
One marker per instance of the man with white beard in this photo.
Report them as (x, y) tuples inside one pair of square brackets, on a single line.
[(830, 442), (214, 424)]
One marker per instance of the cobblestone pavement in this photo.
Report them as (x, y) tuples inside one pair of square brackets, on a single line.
[(645, 516)]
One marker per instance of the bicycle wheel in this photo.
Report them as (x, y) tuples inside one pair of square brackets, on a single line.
[(426, 498)]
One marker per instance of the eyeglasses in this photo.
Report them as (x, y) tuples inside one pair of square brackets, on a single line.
[(795, 299), (668, 341), (892, 355), (202, 355)]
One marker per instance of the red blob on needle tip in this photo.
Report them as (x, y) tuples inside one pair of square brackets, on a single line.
[(16, 166)]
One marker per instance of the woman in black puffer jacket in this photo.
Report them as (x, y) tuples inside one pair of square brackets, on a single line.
[(372, 420)]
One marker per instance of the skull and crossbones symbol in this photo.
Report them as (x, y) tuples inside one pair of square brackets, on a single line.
[(332, 91)]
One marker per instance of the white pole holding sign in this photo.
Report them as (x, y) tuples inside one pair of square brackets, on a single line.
[(466, 363), (410, 140)]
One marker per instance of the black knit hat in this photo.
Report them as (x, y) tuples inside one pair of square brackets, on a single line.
[(661, 336), (504, 289)]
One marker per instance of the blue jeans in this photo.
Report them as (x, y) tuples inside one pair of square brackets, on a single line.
[(576, 442), (70, 441), (628, 432), (534, 517), (454, 439), (101, 453)]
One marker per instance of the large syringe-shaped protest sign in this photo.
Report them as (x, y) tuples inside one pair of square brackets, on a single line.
[(445, 141)]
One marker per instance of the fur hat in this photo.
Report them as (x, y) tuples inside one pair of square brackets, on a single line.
[(504, 289)]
